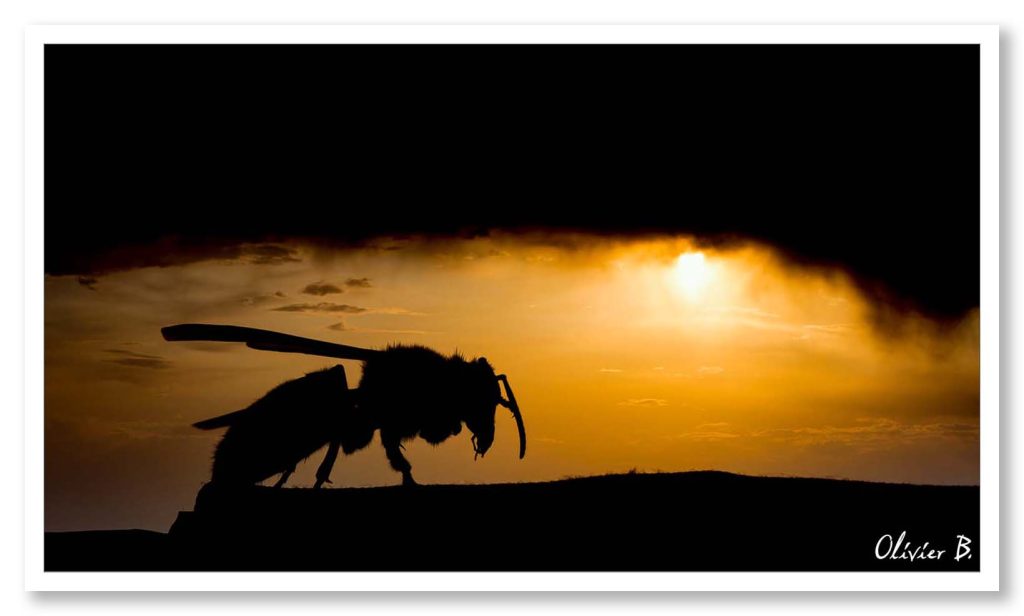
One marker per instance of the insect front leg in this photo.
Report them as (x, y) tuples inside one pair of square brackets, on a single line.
[(323, 474), (393, 449)]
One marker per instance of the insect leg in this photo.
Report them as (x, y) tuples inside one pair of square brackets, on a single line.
[(323, 474), (393, 449), (284, 477)]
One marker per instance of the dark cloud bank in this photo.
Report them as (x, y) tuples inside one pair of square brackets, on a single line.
[(864, 158)]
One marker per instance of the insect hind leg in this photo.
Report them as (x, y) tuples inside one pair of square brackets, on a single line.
[(284, 477)]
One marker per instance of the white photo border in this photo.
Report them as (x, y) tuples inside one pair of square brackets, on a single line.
[(987, 579)]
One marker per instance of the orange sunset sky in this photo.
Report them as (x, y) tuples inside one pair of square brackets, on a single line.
[(657, 353)]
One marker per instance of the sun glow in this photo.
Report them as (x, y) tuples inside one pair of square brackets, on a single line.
[(692, 274)]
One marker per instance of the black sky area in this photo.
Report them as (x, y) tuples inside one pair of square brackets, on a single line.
[(863, 157)]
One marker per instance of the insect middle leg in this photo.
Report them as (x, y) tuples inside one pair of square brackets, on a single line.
[(323, 474), (393, 449)]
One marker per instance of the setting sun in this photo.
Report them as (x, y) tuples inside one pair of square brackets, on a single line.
[(692, 273)]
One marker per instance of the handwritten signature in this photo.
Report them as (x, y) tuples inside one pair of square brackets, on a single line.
[(902, 549)]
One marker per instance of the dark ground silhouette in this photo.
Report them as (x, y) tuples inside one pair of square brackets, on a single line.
[(645, 522)]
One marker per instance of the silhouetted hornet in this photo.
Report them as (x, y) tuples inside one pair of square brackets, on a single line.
[(405, 391)]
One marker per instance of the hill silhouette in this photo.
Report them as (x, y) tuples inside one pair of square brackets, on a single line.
[(697, 521)]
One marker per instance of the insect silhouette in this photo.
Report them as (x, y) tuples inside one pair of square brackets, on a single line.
[(405, 391)]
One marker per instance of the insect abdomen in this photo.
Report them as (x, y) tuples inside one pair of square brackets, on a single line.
[(286, 426)]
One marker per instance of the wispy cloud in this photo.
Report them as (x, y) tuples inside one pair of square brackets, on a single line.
[(547, 439), (610, 370), (706, 436), (132, 359), (269, 254), (713, 424), (146, 430), (358, 283), (342, 326), (871, 432), (648, 402), (321, 307), (755, 313), (830, 328), (321, 289), (396, 310), (262, 298)]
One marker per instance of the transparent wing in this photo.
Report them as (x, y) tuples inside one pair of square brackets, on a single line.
[(264, 340)]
